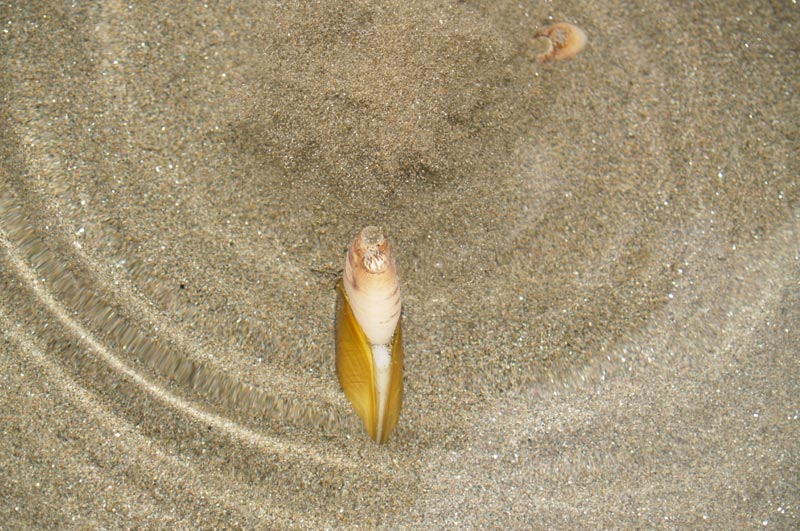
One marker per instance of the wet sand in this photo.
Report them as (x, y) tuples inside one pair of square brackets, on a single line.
[(600, 263)]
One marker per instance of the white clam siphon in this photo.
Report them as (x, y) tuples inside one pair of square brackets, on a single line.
[(369, 348)]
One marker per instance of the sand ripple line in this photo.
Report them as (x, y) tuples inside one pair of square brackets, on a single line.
[(88, 341), (131, 446), (292, 405)]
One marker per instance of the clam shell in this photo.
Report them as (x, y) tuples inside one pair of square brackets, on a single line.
[(566, 41), (371, 376)]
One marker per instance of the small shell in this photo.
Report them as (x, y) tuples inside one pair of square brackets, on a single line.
[(559, 41), (370, 364)]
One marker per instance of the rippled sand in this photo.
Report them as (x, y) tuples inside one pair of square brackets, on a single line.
[(600, 262)]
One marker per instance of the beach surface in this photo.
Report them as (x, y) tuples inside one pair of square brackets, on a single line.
[(599, 261)]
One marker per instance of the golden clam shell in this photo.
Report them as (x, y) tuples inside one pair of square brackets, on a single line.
[(370, 364)]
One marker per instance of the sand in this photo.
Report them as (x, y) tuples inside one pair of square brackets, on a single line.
[(600, 263)]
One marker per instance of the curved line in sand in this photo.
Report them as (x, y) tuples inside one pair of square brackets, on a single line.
[(86, 338)]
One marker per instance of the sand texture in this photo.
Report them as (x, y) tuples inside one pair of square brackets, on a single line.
[(600, 264)]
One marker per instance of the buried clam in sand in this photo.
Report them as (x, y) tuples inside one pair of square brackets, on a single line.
[(369, 347), (559, 41)]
